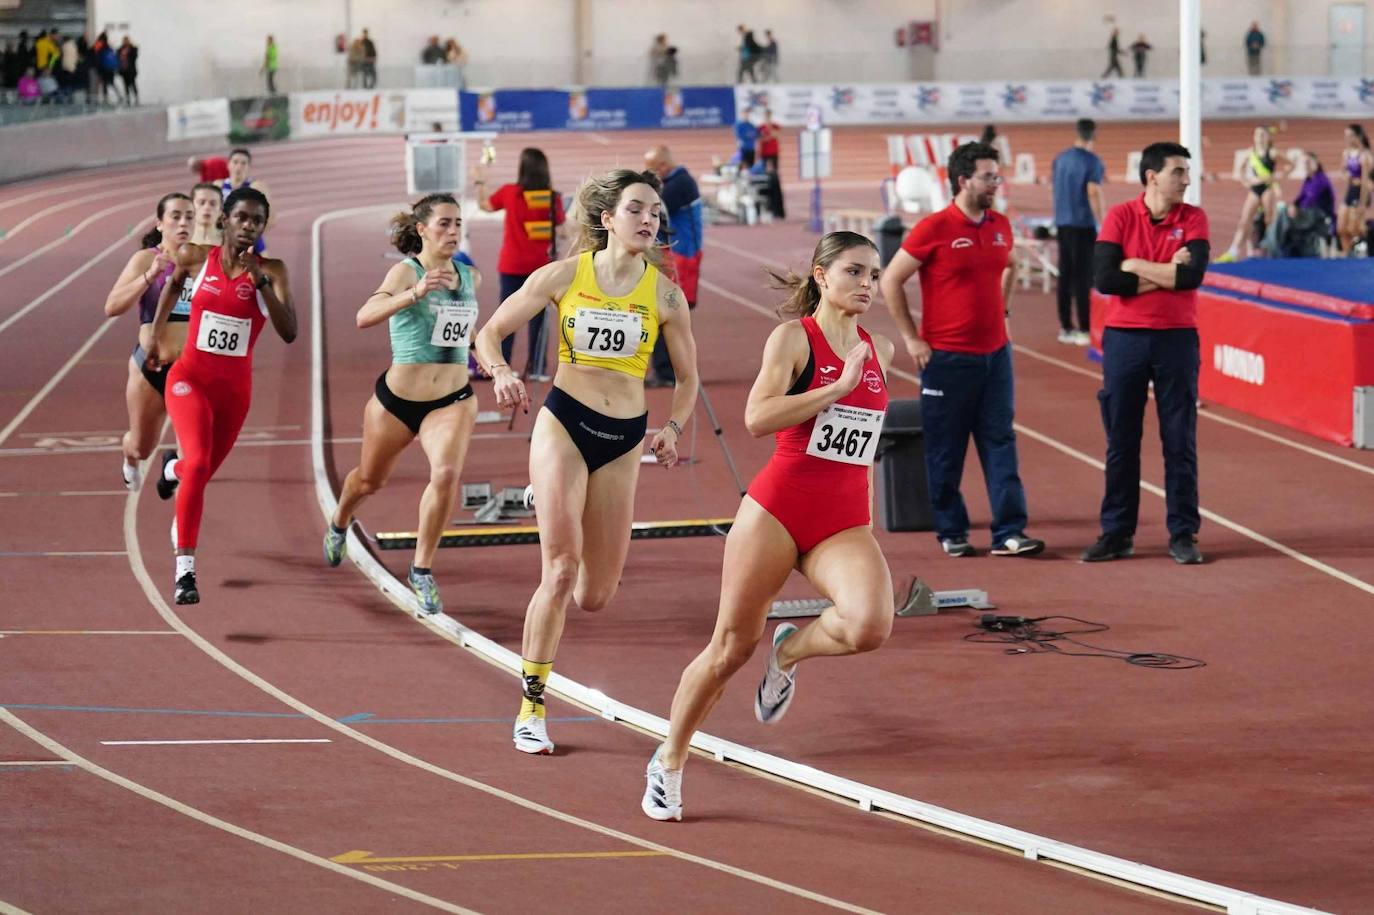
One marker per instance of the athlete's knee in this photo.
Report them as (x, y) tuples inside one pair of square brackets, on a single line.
[(866, 634), (593, 596), (193, 468), (367, 483), (729, 651), (444, 479), (560, 575)]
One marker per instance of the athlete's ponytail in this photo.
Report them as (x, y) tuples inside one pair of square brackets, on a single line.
[(1358, 131), (405, 226), (153, 237), (804, 295), (601, 194)]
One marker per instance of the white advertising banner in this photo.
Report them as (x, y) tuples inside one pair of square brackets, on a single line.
[(346, 112), (194, 120), (1058, 100)]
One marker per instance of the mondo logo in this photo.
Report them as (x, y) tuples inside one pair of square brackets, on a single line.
[(1239, 364)]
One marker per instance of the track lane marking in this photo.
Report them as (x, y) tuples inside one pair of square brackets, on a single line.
[(217, 741), (72, 757)]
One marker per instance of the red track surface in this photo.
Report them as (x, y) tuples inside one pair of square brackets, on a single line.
[(1248, 772)]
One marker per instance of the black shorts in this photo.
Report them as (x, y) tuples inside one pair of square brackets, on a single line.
[(158, 379), (413, 412), (1352, 195), (1258, 190), (599, 439)]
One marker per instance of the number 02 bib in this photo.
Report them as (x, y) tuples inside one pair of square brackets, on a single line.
[(223, 335), (453, 325), (602, 332), (846, 434)]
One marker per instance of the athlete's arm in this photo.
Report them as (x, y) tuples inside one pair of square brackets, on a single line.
[(138, 274), (483, 198), (189, 259), (901, 268), (769, 407), (276, 294), (545, 285), (400, 290), (675, 324)]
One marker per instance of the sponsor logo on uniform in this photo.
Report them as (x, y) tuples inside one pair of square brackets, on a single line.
[(244, 292), (829, 374), (583, 295), (181, 389), (961, 243), (932, 392), (874, 381), (1176, 234), (998, 240)]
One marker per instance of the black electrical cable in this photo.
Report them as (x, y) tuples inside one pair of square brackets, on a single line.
[(1027, 637)]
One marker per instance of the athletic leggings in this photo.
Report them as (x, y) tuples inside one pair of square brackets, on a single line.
[(207, 415)]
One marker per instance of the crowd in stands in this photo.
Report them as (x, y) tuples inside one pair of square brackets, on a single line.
[(56, 68)]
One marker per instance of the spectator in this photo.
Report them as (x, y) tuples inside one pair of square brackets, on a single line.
[(1149, 261), (1306, 228), (964, 256), (1077, 176), (128, 69), (46, 52), (749, 52), (770, 57), (369, 61), (746, 140), (658, 61), (84, 77), (270, 62), (106, 66), (1140, 50), (769, 141), (48, 89), (1317, 192), (682, 232), (458, 59), (27, 89), (1114, 55), (1254, 47), (433, 52), (355, 62), (7, 61), (68, 75), (1202, 46)]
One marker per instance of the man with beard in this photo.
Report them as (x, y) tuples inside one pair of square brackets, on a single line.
[(964, 256)]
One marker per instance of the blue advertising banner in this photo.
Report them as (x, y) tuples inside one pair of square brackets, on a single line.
[(506, 110)]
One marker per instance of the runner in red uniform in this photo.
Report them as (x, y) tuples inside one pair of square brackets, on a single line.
[(809, 509), (210, 386)]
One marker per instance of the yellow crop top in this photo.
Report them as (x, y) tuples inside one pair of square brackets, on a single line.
[(609, 333)]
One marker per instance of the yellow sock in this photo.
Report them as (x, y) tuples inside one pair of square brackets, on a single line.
[(536, 676)]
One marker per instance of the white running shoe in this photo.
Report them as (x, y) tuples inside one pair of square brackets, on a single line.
[(776, 689), (1066, 336), (529, 497), (1082, 338), (133, 476), (662, 791), (531, 735)]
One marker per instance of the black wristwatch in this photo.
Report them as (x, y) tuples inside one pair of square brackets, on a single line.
[(262, 282)]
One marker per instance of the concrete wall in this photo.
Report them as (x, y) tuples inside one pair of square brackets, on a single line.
[(45, 147)]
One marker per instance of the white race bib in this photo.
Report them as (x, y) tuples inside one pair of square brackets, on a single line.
[(846, 434), (223, 335), (453, 325), (601, 332)]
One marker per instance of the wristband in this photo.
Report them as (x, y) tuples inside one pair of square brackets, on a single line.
[(262, 281), (672, 424)]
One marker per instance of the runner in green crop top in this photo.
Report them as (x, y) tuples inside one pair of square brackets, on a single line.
[(429, 301)]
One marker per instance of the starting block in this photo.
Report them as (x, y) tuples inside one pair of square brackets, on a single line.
[(920, 601), (505, 536), (494, 507)]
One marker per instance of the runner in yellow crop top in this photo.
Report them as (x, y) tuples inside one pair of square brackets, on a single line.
[(584, 453)]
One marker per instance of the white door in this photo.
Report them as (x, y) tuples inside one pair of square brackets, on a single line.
[(1345, 25)]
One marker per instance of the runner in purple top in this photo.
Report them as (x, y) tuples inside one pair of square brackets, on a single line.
[(1359, 161)]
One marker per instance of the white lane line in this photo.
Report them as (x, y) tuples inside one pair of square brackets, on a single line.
[(88, 631), (57, 749), (123, 242), (196, 743), (52, 553), (61, 373), (1097, 376), (76, 230), (34, 762), (869, 798), (68, 492)]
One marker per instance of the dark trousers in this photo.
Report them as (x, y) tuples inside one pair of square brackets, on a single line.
[(1131, 359), (962, 395), (1113, 65), (535, 364), (1075, 273)]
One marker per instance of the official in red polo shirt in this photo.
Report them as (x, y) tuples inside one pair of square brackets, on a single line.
[(964, 256), (1149, 260)]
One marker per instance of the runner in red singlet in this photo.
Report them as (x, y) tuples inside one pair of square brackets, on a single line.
[(822, 389), (210, 386)]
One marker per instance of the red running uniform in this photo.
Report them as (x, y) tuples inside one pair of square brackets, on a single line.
[(211, 384), (816, 483)]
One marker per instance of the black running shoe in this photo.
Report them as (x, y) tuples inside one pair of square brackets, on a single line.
[(186, 592), (165, 487), (1109, 547), (1183, 547)]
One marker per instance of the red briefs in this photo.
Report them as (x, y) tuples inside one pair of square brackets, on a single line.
[(816, 483), (210, 386)]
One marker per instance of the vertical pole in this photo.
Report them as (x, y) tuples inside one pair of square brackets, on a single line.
[(1190, 92)]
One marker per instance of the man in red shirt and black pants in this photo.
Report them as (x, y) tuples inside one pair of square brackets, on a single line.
[(964, 255), (1150, 257)]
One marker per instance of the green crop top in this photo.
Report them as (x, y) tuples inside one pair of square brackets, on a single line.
[(439, 327)]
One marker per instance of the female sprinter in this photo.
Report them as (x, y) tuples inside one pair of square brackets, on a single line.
[(208, 203), (1261, 176), (210, 386), (822, 389), (1359, 168), (584, 454), (532, 212), (429, 302), (142, 281)]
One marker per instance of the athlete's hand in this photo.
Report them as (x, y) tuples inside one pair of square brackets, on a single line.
[(443, 278), (664, 447), (853, 368), (919, 351), (152, 358), (249, 261), (510, 391), (161, 261)]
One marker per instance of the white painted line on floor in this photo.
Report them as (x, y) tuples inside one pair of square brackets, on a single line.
[(62, 372), (34, 762), (196, 743), (56, 553), (87, 631)]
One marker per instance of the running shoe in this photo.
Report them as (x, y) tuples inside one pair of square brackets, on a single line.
[(1108, 547), (1082, 338), (958, 547), (166, 487), (663, 791), (185, 592), (335, 545), (422, 583), (132, 474), (776, 688), (531, 736), (1183, 547), (1018, 545), (528, 498), (1066, 336)]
